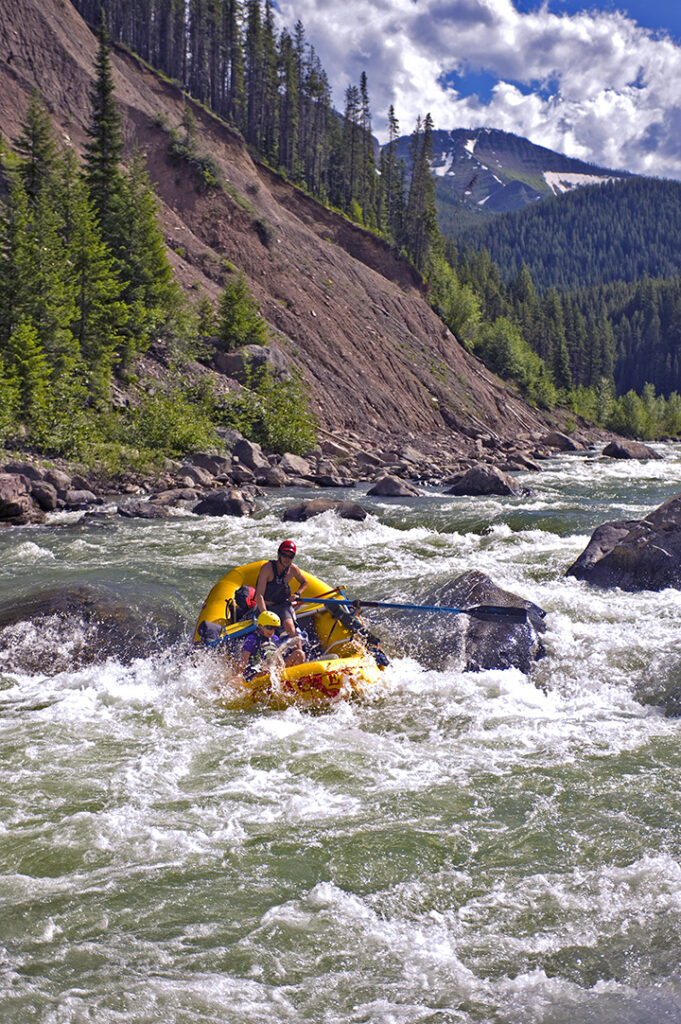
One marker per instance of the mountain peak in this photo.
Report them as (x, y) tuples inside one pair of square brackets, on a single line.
[(486, 171)]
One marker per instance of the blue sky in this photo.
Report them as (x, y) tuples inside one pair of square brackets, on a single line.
[(600, 81)]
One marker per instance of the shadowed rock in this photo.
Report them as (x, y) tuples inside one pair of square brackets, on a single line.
[(393, 487), (554, 439), (55, 631), (635, 555), (224, 503), (144, 510), (437, 638), (17, 507)]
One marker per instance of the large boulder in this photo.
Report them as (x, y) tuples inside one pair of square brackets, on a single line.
[(77, 500), (555, 439), (630, 450), (216, 465), (635, 555), (224, 503), (45, 495), (60, 481), (479, 480), (305, 510), (144, 510), (249, 454), (249, 359), (393, 487), (82, 624), (27, 469), (294, 465), (474, 644), (190, 475), (271, 476), (17, 507)]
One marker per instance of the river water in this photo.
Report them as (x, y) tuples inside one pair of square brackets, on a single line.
[(464, 847)]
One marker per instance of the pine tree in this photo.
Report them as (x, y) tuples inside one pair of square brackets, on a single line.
[(289, 109), (254, 73), (151, 291), (35, 283), (422, 237), (9, 400), (101, 316), (29, 368), (104, 150), (352, 148), (16, 260), (36, 147), (368, 164), (52, 307), (270, 88), (239, 320), (236, 100), (392, 182)]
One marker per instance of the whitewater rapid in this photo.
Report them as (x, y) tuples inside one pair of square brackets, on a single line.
[(463, 847)]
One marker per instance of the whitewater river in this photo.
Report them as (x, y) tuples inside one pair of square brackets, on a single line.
[(465, 847)]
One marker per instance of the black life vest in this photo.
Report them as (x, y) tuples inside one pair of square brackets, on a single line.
[(277, 590)]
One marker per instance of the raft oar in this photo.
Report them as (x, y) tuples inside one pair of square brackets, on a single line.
[(485, 612)]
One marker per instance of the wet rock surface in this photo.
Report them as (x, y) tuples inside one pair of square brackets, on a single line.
[(52, 631), (643, 554), (441, 638), (630, 450), (482, 480), (305, 510)]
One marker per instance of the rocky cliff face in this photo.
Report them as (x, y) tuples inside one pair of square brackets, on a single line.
[(345, 308)]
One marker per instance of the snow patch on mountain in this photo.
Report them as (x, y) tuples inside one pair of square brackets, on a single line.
[(446, 166), (564, 181)]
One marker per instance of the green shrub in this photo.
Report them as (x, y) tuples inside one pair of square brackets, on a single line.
[(275, 416), (503, 349), (183, 148), (238, 319), (174, 422)]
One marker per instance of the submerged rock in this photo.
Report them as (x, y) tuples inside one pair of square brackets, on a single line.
[(494, 643), (635, 555), (54, 631), (305, 510)]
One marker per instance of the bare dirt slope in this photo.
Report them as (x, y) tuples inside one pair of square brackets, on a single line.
[(347, 310)]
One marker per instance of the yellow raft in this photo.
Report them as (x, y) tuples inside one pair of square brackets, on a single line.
[(343, 663)]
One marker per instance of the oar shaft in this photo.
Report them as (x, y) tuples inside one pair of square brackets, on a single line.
[(480, 611)]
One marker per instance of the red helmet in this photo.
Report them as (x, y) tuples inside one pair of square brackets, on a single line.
[(287, 547)]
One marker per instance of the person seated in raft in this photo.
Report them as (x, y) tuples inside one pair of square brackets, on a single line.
[(260, 646), (273, 588)]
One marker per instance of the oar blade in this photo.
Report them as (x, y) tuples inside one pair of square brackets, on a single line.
[(497, 613)]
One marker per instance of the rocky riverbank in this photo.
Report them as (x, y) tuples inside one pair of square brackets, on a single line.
[(230, 483)]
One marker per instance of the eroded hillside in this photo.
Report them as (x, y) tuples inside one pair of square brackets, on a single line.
[(346, 309)]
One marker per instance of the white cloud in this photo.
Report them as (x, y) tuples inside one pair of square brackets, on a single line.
[(593, 85)]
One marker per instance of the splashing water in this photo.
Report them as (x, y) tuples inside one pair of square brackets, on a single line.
[(464, 847)]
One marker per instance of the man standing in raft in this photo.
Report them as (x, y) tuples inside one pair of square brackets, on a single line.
[(273, 589)]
